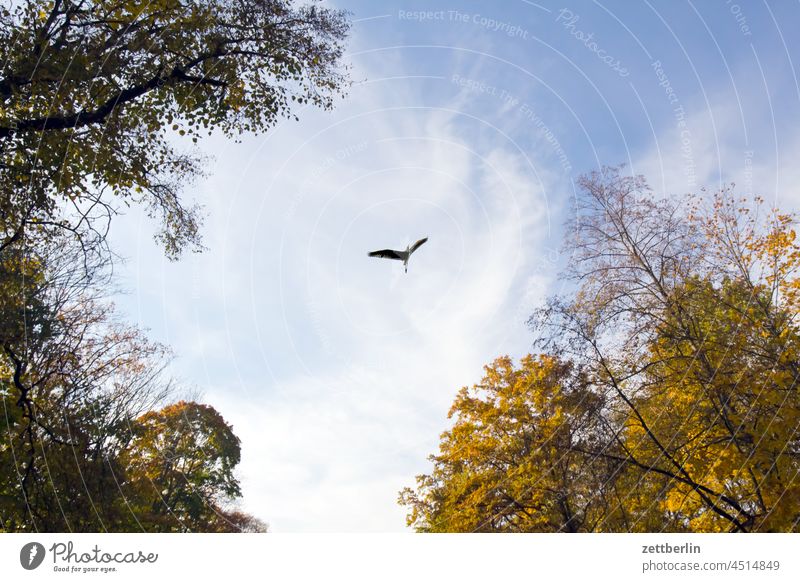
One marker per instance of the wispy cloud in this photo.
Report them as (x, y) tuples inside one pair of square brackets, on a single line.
[(337, 369)]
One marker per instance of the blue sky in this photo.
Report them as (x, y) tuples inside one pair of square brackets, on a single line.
[(468, 124)]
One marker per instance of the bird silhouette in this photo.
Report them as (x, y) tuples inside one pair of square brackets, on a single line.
[(399, 255)]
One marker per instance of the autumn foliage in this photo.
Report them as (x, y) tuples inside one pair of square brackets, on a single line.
[(665, 395), (180, 460)]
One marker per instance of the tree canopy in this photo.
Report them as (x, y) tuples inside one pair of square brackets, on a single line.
[(664, 396), (181, 460), (95, 95)]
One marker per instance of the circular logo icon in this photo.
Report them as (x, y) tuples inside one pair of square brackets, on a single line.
[(31, 555)]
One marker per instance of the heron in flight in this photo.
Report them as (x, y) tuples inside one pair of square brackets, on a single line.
[(399, 255)]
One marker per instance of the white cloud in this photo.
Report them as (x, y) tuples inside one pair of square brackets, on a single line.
[(382, 353), (336, 369)]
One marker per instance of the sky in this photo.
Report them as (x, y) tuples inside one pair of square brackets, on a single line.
[(468, 123)]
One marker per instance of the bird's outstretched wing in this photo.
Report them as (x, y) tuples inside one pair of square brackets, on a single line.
[(386, 254), (417, 244)]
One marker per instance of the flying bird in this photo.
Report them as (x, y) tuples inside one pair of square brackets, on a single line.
[(399, 255)]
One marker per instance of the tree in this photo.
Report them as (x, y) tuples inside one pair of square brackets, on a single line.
[(506, 464), (180, 464), (691, 325), (78, 415), (683, 323), (95, 96), (71, 376)]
